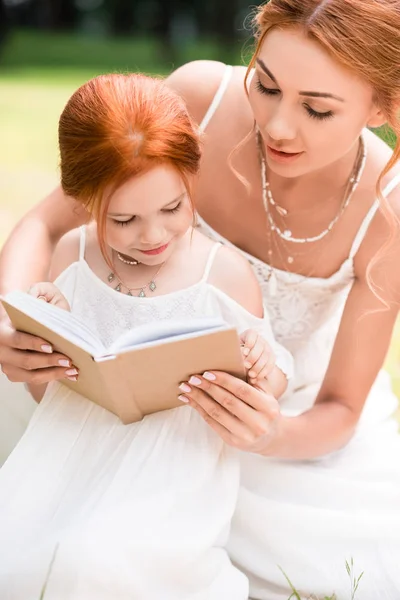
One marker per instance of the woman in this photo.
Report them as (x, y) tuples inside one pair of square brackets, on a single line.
[(325, 485)]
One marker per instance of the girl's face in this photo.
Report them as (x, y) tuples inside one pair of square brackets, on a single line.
[(309, 109), (148, 215)]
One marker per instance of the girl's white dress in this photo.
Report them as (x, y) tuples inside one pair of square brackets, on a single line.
[(122, 512)]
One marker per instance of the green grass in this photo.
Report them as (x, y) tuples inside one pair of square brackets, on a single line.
[(38, 73)]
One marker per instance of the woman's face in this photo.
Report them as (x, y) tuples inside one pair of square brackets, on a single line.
[(148, 215), (309, 109)]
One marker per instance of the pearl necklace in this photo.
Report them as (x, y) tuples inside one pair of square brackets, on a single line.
[(133, 262), (286, 234)]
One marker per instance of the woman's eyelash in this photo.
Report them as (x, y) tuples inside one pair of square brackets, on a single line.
[(268, 91), (320, 116)]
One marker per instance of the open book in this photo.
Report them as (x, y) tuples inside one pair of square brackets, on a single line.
[(140, 372)]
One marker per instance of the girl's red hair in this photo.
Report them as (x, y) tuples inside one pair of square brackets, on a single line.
[(115, 127)]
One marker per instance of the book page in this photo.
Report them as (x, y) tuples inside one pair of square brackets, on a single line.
[(163, 331), (58, 320)]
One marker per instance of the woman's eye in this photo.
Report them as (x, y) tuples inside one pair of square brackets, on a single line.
[(321, 116), (268, 91), (124, 223), (173, 210)]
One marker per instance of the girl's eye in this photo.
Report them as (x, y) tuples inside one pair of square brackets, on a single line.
[(268, 91), (171, 211), (124, 223), (321, 116)]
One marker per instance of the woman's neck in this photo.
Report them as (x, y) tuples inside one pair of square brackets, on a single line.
[(306, 191)]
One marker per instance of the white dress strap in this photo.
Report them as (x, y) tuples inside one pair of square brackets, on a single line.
[(370, 215), (210, 260), (217, 98), (82, 242)]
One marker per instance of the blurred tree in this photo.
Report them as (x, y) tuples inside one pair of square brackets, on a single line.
[(64, 14), (121, 14), (4, 24)]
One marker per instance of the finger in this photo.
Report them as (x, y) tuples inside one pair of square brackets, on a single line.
[(213, 411), (256, 353), (236, 416), (30, 361), (248, 339), (22, 341), (39, 376), (264, 372), (259, 367), (224, 433), (241, 390)]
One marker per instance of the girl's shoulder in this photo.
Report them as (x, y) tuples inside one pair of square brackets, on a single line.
[(231, 273), (66, 252)]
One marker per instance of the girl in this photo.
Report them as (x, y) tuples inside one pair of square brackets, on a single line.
[(139, 511)]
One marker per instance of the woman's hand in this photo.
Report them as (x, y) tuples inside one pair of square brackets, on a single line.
[(243, 416), (29, 359)]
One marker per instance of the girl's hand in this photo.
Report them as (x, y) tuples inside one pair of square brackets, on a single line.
[(243, 416), (48, 292), (259, 360), (30, 359)]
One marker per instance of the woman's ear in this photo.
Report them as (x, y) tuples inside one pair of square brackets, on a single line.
[(377, 118)]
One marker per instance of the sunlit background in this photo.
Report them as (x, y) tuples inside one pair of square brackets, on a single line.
[(49, 47)]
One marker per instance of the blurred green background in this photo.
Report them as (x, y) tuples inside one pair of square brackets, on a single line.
[(45, 56)]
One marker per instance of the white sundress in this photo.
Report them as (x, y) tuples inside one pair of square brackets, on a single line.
[(310, 517), (137, 511)]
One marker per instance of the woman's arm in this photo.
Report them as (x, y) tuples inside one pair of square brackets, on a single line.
[(65, 254), (25, 259), (246, 420)]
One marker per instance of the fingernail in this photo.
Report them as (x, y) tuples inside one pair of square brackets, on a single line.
[(195, 380), (47, 348), (248, 365), (246, 351), (209, 376), (72, 378), (183, 399), (185, 388), (71, 372), (63, 362)]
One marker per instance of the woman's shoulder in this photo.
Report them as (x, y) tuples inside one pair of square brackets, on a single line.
[(379, 155), (197, 83)]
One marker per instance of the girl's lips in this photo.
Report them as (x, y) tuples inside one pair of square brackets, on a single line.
[(282, 157), (155, 251)]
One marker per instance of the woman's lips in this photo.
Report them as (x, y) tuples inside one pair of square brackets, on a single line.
[(280, 156)]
